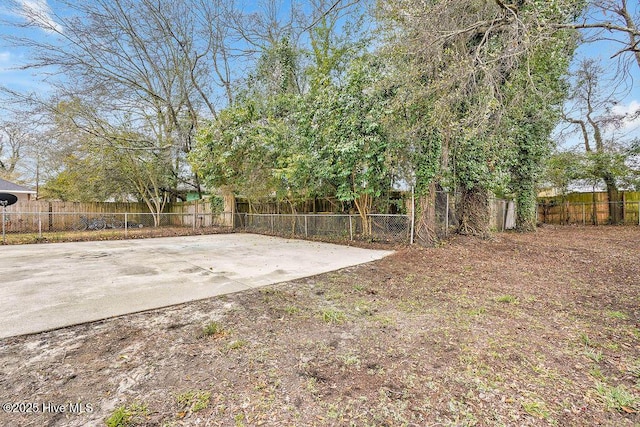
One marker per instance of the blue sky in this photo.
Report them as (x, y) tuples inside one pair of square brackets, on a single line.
[(628, 94), (28, 80), (11, 57)]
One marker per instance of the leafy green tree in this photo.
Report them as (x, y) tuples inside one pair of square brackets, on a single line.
[(86, 179), (562, 168), (330, 142), (239, 151), (100, 161), (306, 124), (249, 148), (346, 139)]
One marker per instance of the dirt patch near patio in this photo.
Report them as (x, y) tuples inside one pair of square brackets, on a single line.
[(538, 329)]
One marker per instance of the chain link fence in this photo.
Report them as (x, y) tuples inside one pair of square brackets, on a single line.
[(377, 227), (394, 228), (383, 228)]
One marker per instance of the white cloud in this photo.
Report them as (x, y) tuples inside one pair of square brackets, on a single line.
[(39, 13), (6, 61), (631, 110)]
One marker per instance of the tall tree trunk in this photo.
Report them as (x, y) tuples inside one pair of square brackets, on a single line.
[(526, 202), (426, 227), (363, 203), (474, 212), (594, 208), (613, 196)]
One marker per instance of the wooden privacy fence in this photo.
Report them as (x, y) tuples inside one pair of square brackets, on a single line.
[(589, 208), (587, 213), (55, 215), (33, 216)]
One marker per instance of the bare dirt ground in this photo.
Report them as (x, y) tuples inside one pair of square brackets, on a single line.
[(538, 329)]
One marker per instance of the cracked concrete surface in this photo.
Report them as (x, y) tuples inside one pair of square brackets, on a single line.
[(50, 286)]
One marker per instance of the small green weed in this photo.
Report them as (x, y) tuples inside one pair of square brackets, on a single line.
[(350, 360), (477, 311), (312, 385), (596, 373), (125, 416), (239, 420), (617, 315), (194, 401), (410, 278), (363, 310), (119, 418), (509, 299), (291, 310), (612, 346), (584, 339), (332, 315), (213, 329), (595, 355), (237, 344), (618, 398), (536, 409)]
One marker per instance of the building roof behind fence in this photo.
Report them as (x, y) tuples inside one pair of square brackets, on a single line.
[(10, 187)]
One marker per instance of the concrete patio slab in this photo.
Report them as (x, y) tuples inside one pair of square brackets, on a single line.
[(50, 286)]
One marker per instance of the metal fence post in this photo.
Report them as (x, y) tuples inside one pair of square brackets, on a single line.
[(413, 215), (126, 226), (446, 215), (584, 214), (505, 209), (306, 231), (4, 217), (350, 228), (39, 222)]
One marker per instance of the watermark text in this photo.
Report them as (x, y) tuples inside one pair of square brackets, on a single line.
[(47, 407)]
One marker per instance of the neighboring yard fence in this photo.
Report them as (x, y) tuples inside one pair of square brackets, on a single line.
[(590, 209), (587, 213), (43, 222), (41, 217)]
